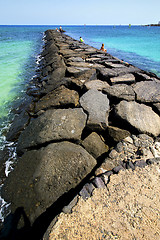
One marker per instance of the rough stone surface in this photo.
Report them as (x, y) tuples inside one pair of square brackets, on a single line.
[(128, 209), (117, 134), (127, 78), (97, 106), (148, 91), (62, 96), (19, 123), (94, 145), (42, 176), (139, 116), (76, 71), (96, 84), (121, 91), (53, 125)]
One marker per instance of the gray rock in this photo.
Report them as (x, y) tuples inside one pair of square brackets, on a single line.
[(42, 176), (127, 78), (56, 75), (96, 84), (68, 208), (121, 91), (76, 59), (148, 91), (84, 193), (76, 71), (139, 116), (97, 106), (98, 182), (94, 145), (53, 125), (61, 96), (80, 64)]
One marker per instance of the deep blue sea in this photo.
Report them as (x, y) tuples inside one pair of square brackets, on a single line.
[(21, 45)]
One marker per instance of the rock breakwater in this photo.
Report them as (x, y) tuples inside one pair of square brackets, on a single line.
[(88, 114)]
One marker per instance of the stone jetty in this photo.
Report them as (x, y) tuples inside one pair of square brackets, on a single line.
[(89, 116)]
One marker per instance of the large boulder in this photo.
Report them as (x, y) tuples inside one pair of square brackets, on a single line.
[(96, 84), (42, 176), (53, 125), (139, 116), (121, 91), (97, 106), (61, 96), (147, 91)]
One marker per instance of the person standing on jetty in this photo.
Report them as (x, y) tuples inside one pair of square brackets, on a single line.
[(60, 29), (81, 39), (102, 48)]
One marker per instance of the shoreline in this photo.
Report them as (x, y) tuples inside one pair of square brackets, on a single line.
[(71, 76)]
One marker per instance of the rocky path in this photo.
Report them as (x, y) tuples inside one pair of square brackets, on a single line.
[(88, 116)]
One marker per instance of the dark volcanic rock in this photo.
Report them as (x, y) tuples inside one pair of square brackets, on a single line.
[(121, 91), (97, 106), (94, 145), (139, 116), (76, 71), (62, 96), (148, 91), (42, 176), (19, 123), (117, 134), (53, 125)]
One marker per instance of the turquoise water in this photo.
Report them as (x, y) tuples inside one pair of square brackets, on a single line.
[(20, 45), (137, 45)]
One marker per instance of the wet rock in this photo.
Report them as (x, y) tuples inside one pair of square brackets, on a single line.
[(121, 91), (61, 96), (127, 78), (148, 91), (53, 125), (96, 84), (139, 116), (117, 134), (19, 123), (94, 145), (97, 106), (42, 176)]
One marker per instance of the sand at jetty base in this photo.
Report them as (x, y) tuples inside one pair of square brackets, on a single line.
[(129, 209)]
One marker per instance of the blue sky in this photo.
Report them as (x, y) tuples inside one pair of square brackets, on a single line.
[(53, 12)]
